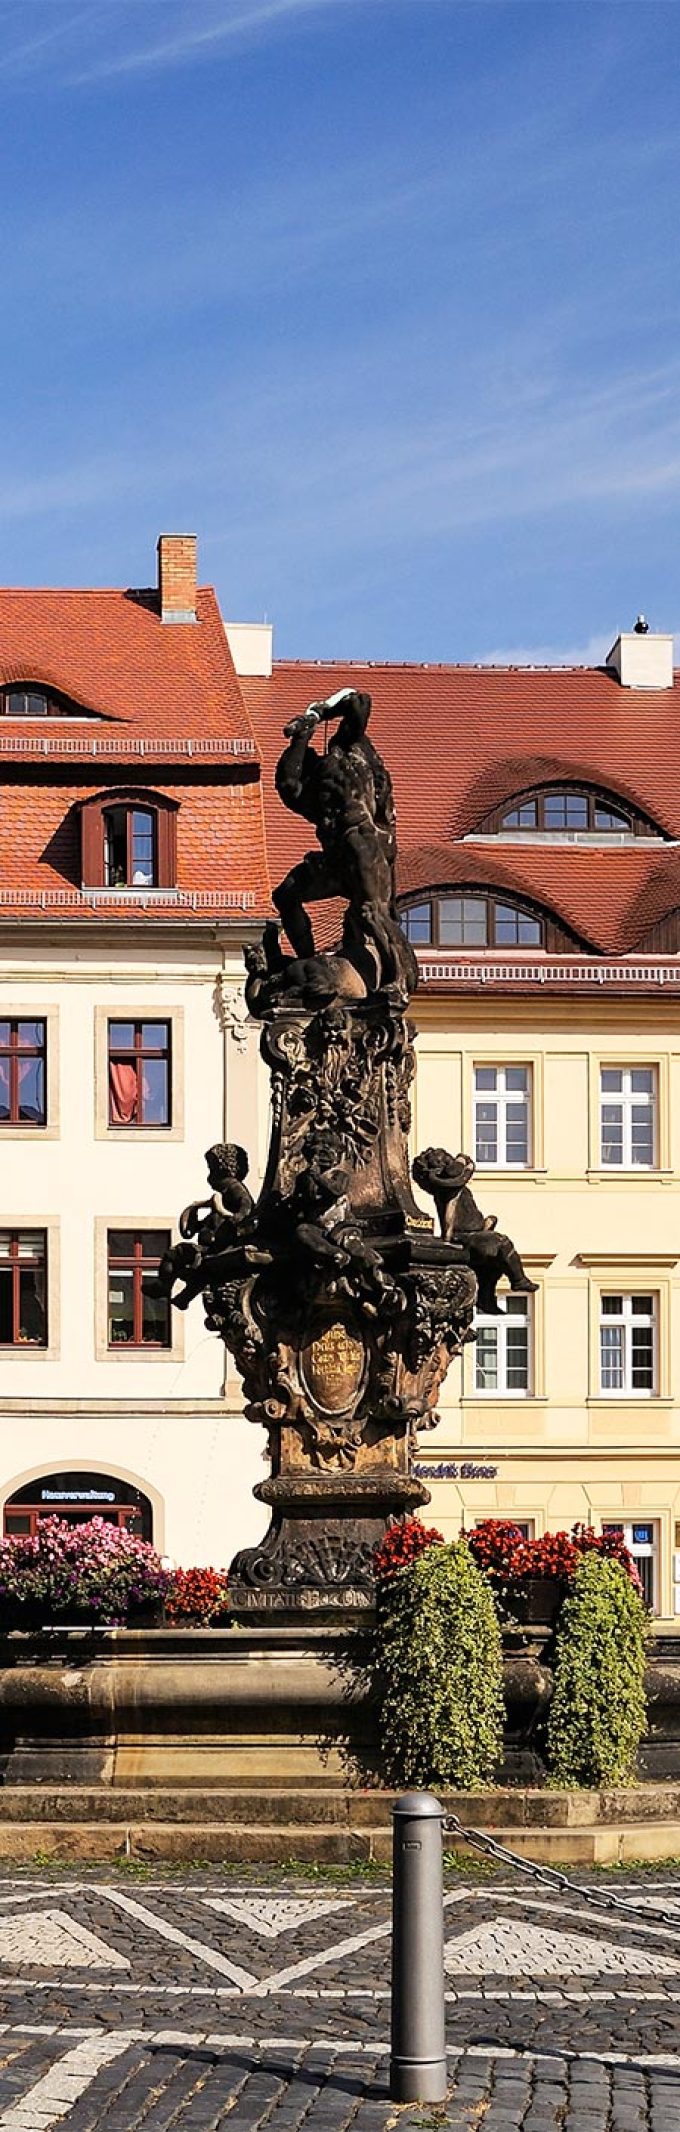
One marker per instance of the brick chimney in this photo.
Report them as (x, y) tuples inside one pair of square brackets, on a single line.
[(177, 577)]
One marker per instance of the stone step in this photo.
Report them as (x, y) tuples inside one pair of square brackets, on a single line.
[(333, 1807), (237, 1843)]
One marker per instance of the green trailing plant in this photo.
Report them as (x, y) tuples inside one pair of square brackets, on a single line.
[(597, 1716), (437, 1672)]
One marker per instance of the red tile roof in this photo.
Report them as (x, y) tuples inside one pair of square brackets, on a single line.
[(110, 652), (459, 741), (220, 848), (166, 711)]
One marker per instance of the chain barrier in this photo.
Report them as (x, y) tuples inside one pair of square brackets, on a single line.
[(550, 1877)]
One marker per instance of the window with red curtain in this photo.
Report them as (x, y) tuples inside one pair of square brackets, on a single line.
[(140, 1074)]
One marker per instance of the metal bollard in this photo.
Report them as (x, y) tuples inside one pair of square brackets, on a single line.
[(418, 2042)]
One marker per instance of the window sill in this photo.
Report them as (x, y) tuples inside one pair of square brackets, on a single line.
[(530, 1171), (136, 1133), (515, 1399), (28, 1351), (140, 1354), (614, 1172), (28, 1132), (615, 1400)]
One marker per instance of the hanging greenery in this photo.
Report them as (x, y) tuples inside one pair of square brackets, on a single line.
[(597, 1715), (437, 1671)]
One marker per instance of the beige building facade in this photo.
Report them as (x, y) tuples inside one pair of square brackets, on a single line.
[(568, 1409), (165, 1424)]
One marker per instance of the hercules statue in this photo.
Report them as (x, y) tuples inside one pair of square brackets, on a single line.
[(346, 793)]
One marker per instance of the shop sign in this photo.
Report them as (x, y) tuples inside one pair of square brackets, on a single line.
[(456, 1470), (77, 1495)]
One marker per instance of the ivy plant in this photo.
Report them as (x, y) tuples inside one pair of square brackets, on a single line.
[(597, 1716), (437, 1672)]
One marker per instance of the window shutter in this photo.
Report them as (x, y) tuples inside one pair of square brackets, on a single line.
[(92, 844), (166, 835)]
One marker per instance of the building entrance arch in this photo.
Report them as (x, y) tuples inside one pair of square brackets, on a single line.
[(76, 1497)]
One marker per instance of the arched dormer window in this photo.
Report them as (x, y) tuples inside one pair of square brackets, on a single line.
[(32, 699), (129, 841), (472, 919), (567, 811)]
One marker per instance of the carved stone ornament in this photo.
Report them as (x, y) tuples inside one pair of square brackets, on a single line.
[(233, 1012), (341, 1308)]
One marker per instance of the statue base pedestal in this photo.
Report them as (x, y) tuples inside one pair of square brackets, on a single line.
[(317, 1556)]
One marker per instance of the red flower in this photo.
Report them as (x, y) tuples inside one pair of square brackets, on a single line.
[(499, 1547), (610, 1544), (197, 1595), (502, 1551), (403, 1542)]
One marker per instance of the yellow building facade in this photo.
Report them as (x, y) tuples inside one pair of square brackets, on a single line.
[(568, 1409)]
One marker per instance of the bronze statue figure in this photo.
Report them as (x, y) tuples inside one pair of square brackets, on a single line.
[(346, 793), (491, 1254)]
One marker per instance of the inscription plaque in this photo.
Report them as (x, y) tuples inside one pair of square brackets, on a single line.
[(333, 1365)]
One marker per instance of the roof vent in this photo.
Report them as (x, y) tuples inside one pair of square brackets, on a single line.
[(642, 657), (177, 577)]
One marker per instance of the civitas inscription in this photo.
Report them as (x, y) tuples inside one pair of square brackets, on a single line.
[(264, 1600)]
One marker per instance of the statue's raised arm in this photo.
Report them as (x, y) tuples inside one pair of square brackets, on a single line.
[(346, 792)]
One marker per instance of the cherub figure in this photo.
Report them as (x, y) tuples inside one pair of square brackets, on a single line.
[(326, 1233), (491, 1254), (215, 1222)]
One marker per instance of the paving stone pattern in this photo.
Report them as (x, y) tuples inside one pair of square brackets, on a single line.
[(188, 2006)]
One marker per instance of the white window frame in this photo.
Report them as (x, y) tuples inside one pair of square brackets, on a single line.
[(516, 1307), (503, 1097), (641, 1551), (627, 1319), (626, 1101)]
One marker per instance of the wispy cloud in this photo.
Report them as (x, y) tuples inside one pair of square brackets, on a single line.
[(111, 37), (592, 653)]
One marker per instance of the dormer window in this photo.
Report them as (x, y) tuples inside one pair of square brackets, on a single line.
[(129, 841), (471, 921), (130, 859), (30, 699), (568, 812), (26, 703)]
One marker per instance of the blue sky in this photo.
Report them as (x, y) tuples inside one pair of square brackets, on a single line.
[(379, 297)]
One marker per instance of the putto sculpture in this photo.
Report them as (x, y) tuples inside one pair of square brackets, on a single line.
[(491, 1254), (341, 1307)]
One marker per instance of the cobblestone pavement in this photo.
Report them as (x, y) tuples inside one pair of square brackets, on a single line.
[(187, 2005)]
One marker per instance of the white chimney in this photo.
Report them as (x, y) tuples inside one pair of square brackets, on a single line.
[(642, 657), (251, 646)]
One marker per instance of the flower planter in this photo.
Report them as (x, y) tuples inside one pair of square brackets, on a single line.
[(540, 1599)]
